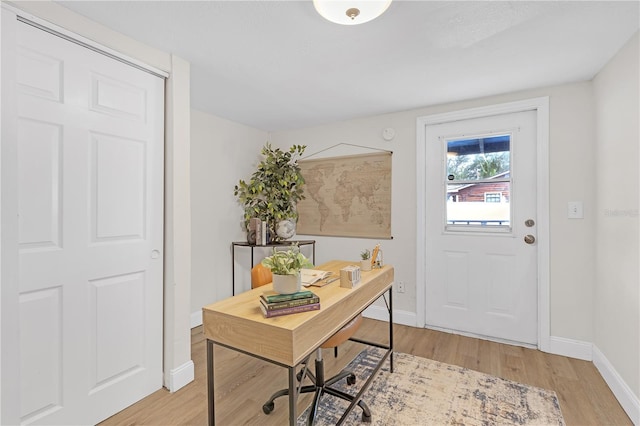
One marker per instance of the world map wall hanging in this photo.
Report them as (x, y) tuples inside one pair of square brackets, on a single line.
[(347, 196)]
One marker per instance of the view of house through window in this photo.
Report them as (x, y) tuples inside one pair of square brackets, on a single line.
[(478, 182)]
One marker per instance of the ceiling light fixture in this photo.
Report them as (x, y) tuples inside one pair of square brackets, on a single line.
[(349, 12)]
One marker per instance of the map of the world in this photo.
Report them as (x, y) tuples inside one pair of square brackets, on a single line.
[(347, 196)]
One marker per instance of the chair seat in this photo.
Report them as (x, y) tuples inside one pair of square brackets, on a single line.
[(343, 334)]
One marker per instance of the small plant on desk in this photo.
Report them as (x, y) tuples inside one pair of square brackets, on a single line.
[(365, 254), (285, 266), (365, 264), (287, 262)]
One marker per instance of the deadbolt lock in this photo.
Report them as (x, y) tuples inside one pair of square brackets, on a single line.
[(529, 223)]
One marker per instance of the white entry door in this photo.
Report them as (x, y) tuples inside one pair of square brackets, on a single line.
[(481, 257), (89, 133)]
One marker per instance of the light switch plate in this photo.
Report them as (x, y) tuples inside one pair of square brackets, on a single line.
[(575, 210)]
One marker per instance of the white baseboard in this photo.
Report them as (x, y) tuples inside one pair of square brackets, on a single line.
[(399, 317), (196, 319), (571, 348), (181, 376), (625, 396)]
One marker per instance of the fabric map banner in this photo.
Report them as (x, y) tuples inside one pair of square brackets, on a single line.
[(348, 196)]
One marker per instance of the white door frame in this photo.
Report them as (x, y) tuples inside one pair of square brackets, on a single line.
[(541, 106)]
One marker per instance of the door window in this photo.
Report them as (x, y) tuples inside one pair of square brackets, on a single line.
[(478, 183)]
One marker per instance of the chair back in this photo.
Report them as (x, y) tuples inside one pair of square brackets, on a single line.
[(260, 275)]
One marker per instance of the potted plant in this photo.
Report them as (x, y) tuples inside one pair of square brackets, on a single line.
[(285, 266), (274, 189), (365, 263)]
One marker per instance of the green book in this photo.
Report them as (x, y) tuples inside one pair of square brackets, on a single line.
[(272, 296), (270, 306)]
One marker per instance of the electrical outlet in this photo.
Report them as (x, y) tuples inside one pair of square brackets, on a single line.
[(400, 287), (575, 210)]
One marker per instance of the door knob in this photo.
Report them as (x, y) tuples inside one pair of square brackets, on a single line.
[(529, 239)]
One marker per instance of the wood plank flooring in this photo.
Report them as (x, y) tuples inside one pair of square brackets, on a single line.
[(243, 383)]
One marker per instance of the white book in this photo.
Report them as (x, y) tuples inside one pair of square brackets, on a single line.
[(258, 226), (263, 234), (313, 277)]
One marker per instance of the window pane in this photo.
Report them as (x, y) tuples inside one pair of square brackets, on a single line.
[(480, 204), (478, 159)]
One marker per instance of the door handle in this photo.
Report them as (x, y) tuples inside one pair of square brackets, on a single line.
[(529, 239)]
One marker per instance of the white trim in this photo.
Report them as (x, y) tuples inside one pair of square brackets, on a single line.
[(56, 30), (9, 290), (628, 400), (181, 376), (571, 348), (196, 319), (541, 106), (399, 317)]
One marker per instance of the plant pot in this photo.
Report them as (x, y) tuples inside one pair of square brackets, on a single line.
[(286, 284), (365, 265)]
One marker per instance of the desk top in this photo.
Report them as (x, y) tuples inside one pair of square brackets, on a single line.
[(238, 321)]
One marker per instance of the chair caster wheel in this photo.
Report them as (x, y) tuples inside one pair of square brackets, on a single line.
[(351, 380), (365, 418), (268, 408)]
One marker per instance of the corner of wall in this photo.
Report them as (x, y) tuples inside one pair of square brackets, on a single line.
[(627, 399)]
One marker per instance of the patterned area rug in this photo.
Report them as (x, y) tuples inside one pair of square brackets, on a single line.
[(425, 392)]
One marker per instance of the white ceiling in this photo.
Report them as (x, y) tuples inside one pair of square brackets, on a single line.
[(277, 65)]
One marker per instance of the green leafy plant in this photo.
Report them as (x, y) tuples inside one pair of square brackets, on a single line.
[(365, 254), (287, 262), (274, 188)]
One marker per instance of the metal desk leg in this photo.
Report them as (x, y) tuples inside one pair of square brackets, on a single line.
[(233, 269), (391, 327), (293, 417), (210, 395)]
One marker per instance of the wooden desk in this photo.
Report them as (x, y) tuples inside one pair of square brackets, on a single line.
[(237, 323)]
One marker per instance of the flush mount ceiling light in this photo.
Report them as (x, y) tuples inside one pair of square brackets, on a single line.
[(348, 12)]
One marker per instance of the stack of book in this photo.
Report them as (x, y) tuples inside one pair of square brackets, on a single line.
[(274, 304)]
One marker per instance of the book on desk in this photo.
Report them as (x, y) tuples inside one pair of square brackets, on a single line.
[(273, 304)]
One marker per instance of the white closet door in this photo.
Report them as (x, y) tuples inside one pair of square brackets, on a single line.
[(90, 190)]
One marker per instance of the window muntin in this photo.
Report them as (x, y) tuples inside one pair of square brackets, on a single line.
[(478, 184), (492, 197)]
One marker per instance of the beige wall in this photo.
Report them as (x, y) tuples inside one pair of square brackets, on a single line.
[(221, 153), (617, 297)]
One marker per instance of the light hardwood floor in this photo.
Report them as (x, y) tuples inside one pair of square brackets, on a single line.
[(244, 383)]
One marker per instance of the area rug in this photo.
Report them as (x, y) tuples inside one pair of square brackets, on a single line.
[(425, 392)]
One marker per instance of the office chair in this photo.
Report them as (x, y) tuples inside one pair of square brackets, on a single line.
[(260, 275), (320, 385)]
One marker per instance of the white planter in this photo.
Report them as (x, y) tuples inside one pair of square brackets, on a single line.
[(286, 284), (365, 265)]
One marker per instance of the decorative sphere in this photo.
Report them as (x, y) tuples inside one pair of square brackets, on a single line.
[(286, 229)]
